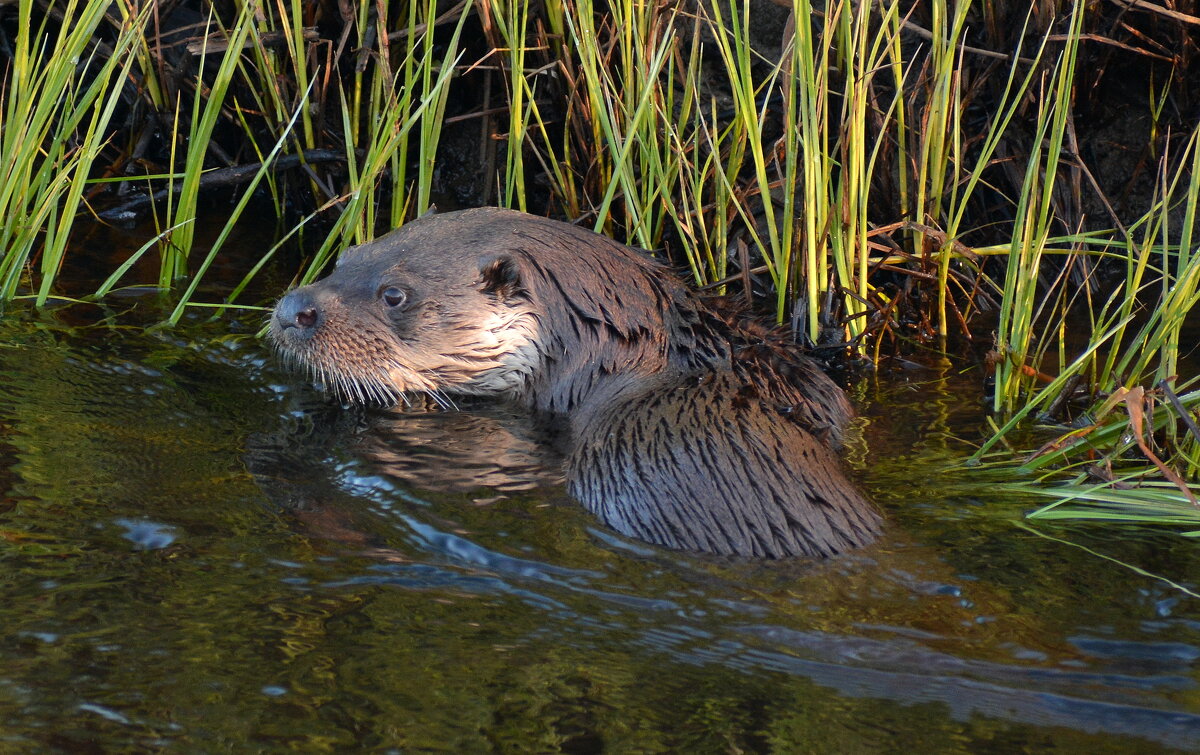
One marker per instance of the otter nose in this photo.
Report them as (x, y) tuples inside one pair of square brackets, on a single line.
[(297, 310)]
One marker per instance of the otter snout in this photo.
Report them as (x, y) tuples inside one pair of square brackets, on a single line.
[(300, 311)]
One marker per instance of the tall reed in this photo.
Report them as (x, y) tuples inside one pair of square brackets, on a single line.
[(205, 110), (54, 114), (410, 100), (1034, 218), (385, 113), (1136, 331)]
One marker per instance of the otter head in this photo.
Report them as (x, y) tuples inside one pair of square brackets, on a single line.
[(415, 310)]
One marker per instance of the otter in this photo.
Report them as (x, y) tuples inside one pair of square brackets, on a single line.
[(681, 427)]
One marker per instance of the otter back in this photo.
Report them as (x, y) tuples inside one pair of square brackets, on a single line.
[(682, 428)]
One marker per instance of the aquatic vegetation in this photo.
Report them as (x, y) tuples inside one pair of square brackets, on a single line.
[(58, 97)]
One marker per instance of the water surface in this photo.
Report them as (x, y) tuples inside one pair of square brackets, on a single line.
[(199, 555)]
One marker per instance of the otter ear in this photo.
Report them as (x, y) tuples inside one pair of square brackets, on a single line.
[(500, 276)]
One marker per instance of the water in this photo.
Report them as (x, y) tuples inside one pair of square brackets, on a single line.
[(197, 555)]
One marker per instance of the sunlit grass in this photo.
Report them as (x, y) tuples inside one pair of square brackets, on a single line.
[(55, 106)]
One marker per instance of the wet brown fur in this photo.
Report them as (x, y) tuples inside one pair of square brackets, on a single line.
[(683, 428)]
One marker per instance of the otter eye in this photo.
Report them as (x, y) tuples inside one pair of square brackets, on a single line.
[(393, 297)]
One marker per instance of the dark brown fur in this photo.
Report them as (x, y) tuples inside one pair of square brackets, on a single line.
[(683, 429)]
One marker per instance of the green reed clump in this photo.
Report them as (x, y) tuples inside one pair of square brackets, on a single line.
[(398, 105), (55, 107), (252, 82), (1141, 419), (644, 147), (1034, 222), (391, 107), (205, 111)]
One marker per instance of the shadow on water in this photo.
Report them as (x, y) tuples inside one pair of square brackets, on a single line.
[(201, 555)]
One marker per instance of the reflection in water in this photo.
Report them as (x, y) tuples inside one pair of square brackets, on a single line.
[(418, 580)]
